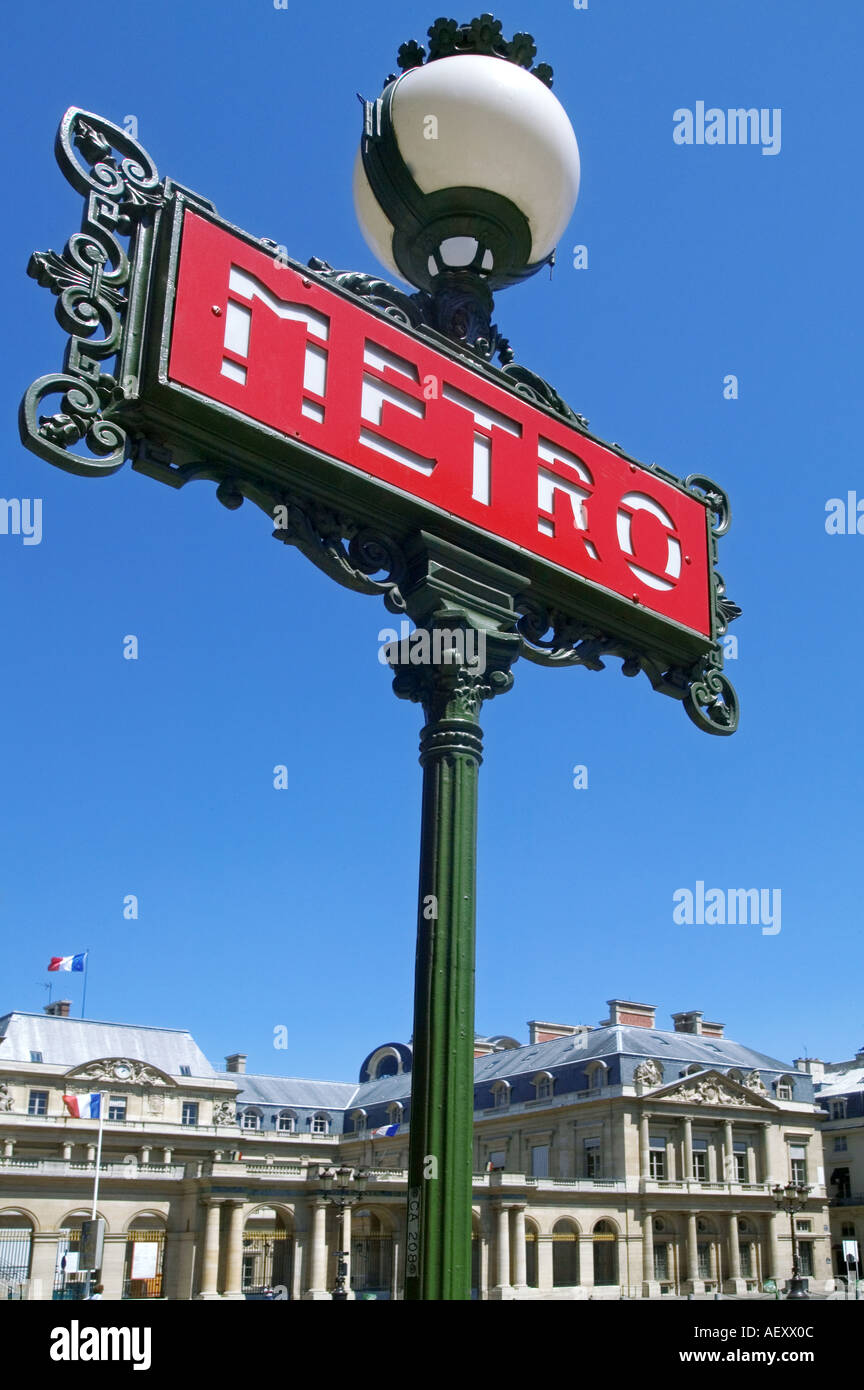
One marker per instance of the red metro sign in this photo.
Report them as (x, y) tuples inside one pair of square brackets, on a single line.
[(284, 350)]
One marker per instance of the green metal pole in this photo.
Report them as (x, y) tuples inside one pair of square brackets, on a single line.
[(438, 1252)]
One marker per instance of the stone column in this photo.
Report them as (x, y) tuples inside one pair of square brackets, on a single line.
[(767, 1175), (502, 1288), (544, 1264), (91, 1153), (728, 1152), (66, 1152), (113, 1265), (517, 1246), (209, 1275), (144, 1154), (43, 1265), (317, 1289), (687, 1125), (234, 1252), (734, 1282), (650, 1285), (644, 1146), (167, 1155), (693, 1283)]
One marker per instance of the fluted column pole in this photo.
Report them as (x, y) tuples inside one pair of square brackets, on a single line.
[(458, 602)]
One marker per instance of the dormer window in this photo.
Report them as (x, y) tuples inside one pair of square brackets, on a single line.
[(543, 1085), (395, 1111), (251, 1118), (785, 1088), (287, 1122), (359, 1117), (320, 1123), (501, 1094)]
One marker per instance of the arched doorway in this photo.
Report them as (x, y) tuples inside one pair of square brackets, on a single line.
[(145, 1253), (565, 1254), (268, 1253), (16, 1241), (371, 1255), (605, 1242)]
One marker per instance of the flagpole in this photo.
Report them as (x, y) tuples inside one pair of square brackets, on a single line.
[(84, 995), (102, 1095)]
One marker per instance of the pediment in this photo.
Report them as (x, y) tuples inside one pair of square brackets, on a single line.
[(710, 1087), (121, 1071)]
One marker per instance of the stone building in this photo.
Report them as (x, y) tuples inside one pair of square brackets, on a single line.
[(617, 1160), (839, 1092)]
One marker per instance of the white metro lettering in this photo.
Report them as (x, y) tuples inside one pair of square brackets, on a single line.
[(487, 419), (377, 393), (549, 482), (238, 322), (631, 505)]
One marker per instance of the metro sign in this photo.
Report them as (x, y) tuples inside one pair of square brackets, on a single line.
[(328, 396), (277, 346)]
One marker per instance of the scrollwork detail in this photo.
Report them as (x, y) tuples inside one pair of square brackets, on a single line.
[(90, 279)]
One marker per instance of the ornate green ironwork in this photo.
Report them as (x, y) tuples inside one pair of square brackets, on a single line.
[(92, 282), (482, 35)]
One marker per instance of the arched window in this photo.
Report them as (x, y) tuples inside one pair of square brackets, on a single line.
[(785, 1088), (605, 1253), (565, 1254), (501, 1094), (287, 1123), (320, 1122), (395, 1111), (735, 1074), (359, 1117), (251, 1118)]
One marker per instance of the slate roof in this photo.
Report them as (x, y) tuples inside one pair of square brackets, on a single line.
[(841, 1083), (291, 1091), (69, 1042)]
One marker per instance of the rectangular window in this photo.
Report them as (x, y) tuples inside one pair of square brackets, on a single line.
[(657, 1156), (498, 1158), (700, 1165), (740, 1167), (540, 1161), (838, 1107), (840, 1144), (746, 1256), (661, 1262), (802, 1225), (592, 1158), (35, 1056), (704, 1260), (185, 1071), (805, 1258), (117, 1108), (37, 1103), (798, 1163), (190, 1112)]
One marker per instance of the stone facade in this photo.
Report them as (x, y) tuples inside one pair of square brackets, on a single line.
[(610, 1161)]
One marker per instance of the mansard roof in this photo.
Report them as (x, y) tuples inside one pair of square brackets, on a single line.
[(70, 1042), (289, 1091)]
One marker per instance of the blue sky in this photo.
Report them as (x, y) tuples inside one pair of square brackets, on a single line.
[(260, 908)]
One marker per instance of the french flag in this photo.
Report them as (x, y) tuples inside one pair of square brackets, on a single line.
[(68, 962), (84, 1107), (386, 1132)]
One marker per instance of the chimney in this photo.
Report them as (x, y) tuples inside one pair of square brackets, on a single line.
[(59, 1008), (813, 1067), (693, 1022), (627, 1014), (545, 1032), (236, 1062)]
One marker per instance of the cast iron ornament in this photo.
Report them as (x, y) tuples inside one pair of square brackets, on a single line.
[(100, 285)]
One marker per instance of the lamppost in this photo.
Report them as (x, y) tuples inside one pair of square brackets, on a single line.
[(467, 174), (793, 1198), (342, 1188)]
